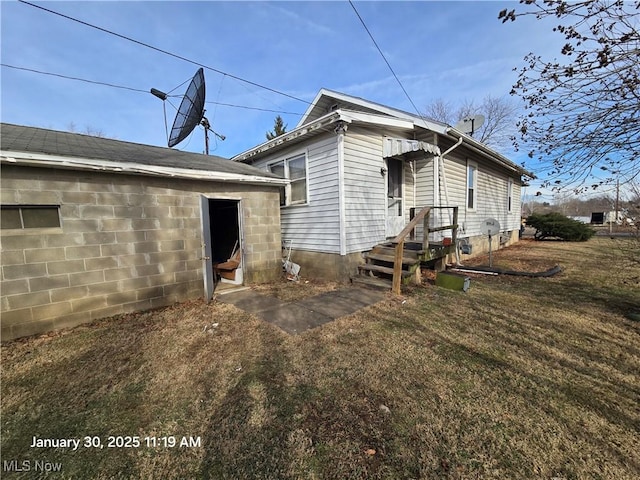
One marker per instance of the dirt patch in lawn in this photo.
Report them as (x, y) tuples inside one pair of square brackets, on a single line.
[(523, 256)]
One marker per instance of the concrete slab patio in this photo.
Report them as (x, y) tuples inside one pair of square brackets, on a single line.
[(299, 316)]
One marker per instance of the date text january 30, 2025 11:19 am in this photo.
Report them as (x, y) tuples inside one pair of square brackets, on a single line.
[(119, 441)]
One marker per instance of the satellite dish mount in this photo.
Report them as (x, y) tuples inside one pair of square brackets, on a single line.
[(490, 227), (190, 113)]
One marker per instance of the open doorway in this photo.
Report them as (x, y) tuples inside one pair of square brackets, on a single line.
[(222, 243)]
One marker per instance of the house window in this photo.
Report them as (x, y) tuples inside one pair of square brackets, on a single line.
[(30, 216), (509, 194), (293, 169), (472, 185)]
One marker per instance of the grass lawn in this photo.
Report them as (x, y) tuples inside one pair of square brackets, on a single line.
[(517, 378)]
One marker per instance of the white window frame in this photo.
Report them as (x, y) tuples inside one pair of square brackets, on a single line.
[(287, 189), (509, 195), (474, 199)]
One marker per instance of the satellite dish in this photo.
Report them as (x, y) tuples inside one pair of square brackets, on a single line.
[(190, 113), (469, 125), (490, 227), (191, 110)]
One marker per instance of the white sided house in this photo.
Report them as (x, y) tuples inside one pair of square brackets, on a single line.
[(359, 171)]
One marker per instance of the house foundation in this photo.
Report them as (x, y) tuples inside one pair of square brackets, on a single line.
[(327, 266)]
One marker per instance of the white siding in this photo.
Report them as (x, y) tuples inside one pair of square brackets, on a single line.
[(365, 189), (492, 187), (424, 182), (316, 225), (493, 197), (424, 186)]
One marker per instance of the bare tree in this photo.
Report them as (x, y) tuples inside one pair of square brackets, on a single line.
[(583, 112), (89, 130), (441, 110), (499, 113)]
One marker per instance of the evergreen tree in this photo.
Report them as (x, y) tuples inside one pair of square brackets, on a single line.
[(279, 128)]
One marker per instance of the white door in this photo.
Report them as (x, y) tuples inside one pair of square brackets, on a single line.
[(207, 266), (395, 203)]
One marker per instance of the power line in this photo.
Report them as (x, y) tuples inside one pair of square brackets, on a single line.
[(67, 77), (73, 78), (164, 51), (255, 108), (385, 59)]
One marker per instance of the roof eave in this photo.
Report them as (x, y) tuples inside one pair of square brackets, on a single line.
[(82, 164), (347, 116), (322, 122), (312, 105), (488, 152), (383, 109)]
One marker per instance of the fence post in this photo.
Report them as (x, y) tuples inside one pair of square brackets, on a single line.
[(454, 234), (397, 267), (425, 231)]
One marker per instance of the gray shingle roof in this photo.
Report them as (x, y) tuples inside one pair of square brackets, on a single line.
[(19, 138)]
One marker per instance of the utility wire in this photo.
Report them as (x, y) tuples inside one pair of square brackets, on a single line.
[(32, 70), (255, 108), (386, 61), (73, 78), (164, 51)]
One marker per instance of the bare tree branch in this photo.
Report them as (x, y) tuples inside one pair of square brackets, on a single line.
[(582, 114), (500, 115)]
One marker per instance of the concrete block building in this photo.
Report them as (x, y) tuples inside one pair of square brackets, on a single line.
[(94, 227)]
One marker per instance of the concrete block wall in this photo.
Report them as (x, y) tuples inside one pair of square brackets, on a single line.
[(126, 243)]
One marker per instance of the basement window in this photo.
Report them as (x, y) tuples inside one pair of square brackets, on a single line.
[(20, 217)]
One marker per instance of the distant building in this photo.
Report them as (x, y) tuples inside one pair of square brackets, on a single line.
[(601, 218), (580, 218)]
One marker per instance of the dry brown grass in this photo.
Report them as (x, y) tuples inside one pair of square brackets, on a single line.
[(517, 378)]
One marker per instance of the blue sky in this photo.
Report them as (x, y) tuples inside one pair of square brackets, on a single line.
[(452, 50)]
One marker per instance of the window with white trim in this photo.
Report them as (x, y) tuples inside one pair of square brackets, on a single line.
[(293, 169), (29, 216), (472, 185), (509, 195)]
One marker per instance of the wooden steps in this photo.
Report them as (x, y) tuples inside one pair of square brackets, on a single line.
[(378, 269), (372, 282), (384, 258)]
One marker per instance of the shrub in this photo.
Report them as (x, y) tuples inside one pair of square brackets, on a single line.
[(555, 225)]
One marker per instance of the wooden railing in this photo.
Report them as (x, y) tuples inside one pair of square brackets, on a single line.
[(423, 215), (399, 246)]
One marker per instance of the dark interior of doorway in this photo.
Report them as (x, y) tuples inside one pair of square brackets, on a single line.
[(225, 229)]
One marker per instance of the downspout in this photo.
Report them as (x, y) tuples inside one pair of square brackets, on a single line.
[(340, 130), (446, 190)]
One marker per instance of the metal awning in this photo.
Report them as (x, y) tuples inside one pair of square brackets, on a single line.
[(392, 147)]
